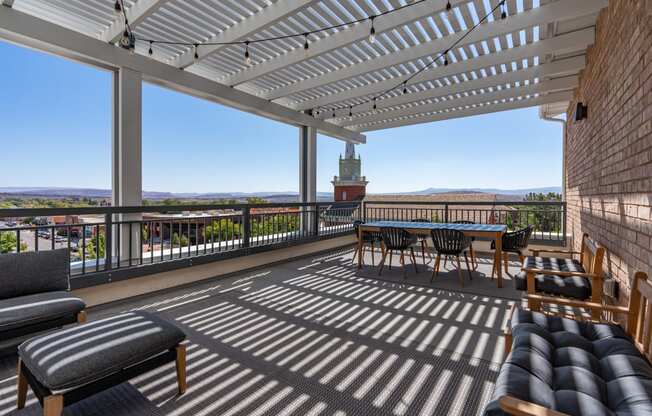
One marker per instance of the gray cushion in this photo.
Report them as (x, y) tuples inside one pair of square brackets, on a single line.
[(31, 309), (577, 368), (33, 272), (576, 287), (85, 353)]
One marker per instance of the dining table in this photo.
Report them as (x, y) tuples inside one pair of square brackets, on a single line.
[(491, 231)]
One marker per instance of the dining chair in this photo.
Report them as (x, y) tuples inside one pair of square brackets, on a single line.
[(474, 260), (397, 239), (449, 242), (369, 238), (512, 242)]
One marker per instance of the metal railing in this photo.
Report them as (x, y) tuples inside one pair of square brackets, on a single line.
[(548, 218), (113, 243)]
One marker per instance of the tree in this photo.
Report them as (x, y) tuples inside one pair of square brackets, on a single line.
[(91, 250), (176, 241), (8, 242)]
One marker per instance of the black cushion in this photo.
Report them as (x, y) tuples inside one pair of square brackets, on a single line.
[(577, 368), (576, 287), (85, 353), (32, 309), (33, 272)]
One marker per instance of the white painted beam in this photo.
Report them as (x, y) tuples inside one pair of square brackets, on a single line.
[(560, 10), (342, 38), (486, 109), (136, 14), (564, 43), (30, 31), (470, 98), (559, 68), (267, 17)]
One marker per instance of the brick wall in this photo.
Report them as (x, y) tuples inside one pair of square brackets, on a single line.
[(353, 193), (609, 155)]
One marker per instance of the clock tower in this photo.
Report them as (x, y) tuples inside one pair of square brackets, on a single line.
[(350, 185)]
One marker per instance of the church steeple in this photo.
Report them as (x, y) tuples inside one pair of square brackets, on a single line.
[(350, 185)]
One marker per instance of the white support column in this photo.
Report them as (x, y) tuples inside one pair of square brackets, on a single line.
[(126, 164), (307, 172)]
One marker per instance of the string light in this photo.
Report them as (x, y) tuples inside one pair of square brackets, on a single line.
[(246, 54), (128, 41), (375, 106), (432, 60), (150, 52)]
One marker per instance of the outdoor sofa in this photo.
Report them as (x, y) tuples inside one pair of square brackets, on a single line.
[(560, 366), (35, 296)]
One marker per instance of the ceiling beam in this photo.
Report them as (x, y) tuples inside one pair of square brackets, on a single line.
[(27, 30), (569, 42), (486, 109), (265, 18), (136, 14), (560, 10), (345, 36), (559, 68), (470, 98)]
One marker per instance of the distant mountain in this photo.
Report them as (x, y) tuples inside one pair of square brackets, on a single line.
[(429, 191), (51, 192)]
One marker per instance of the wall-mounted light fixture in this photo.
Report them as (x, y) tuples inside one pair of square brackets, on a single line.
[(581, 111)]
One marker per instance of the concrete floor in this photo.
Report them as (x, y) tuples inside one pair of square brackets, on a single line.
[(316, 336)]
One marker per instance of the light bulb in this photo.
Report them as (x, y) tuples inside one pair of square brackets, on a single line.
[(196, 56), (246, 54), (372, 31), (117, 8)]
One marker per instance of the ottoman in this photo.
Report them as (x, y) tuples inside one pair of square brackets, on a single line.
[(66, 366)]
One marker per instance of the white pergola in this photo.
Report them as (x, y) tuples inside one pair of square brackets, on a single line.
[(530, 58)]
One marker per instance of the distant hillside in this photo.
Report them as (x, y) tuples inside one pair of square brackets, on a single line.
[(495, 191), (47, 192)]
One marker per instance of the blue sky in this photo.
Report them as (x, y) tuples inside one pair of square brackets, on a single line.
[(55, 127)]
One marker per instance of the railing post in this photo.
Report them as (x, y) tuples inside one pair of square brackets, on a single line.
[(108, 241), (563, 223), (246, 225), (446, 213), (363, 207), (315, 221)]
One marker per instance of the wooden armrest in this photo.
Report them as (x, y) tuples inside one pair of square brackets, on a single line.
[(571, 252), (508, 325), (578, 303), (561, 273), (518, 407)]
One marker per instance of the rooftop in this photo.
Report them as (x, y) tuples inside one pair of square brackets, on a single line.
[(315, 336)]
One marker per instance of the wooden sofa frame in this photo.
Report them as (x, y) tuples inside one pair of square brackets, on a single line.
[(638, 326), (591, 256)]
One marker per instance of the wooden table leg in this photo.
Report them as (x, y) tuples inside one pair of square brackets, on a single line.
[(498, 259)]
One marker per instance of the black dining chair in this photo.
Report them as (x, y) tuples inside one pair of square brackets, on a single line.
[(423, 240), (369, 238), (513, 242), (474, 260), (448, 242), (397, 239)]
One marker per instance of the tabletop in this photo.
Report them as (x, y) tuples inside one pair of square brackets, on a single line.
[(491, 228)]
